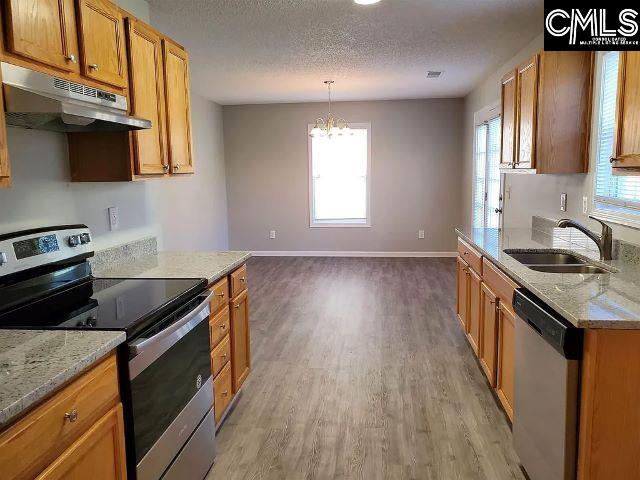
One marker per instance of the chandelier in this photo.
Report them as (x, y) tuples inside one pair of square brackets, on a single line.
[(327, 127)]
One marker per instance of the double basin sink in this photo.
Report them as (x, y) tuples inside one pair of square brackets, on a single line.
[(550, 261)]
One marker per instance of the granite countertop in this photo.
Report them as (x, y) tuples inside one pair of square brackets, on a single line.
[(610, 300), (209, 265), (34, 363)]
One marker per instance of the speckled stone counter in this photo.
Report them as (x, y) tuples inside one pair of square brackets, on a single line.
[(609, 300), (209, 265), (35, 363)]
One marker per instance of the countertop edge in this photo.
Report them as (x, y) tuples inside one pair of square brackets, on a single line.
[(229, 268), (15, 410)]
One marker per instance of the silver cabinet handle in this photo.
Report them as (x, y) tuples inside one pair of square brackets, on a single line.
[(93, 66), (72, 58), (72, 416)]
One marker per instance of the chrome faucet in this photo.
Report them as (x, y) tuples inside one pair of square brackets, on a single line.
[(604, 241)]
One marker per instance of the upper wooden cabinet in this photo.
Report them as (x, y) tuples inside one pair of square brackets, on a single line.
[(552, 114), (43, 31), (176, 72), (146, 83), (627, 141), (509, 96), (102, 42)]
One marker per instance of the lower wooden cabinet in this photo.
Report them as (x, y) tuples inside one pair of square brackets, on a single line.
[(474, 331), (462, 281), (506, 338), (223, 392), (489, 336), (99, 454), (240, 340)]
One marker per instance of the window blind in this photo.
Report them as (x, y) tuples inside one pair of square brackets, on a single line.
[(479, 180), (615, 190), (492, 218)]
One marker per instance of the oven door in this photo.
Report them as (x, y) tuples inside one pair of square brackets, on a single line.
[(171, 388)]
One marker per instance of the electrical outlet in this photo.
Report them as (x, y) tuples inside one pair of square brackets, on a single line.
[(272, 234), (585, 205), (563, 202), (420, 234), (114, 219)]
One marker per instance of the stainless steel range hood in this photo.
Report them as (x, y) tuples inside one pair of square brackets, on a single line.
[(44, 102)]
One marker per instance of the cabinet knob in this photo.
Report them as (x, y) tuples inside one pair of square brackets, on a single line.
[(176, 168), (72, 415), (225, 393), (242, 279), (224, 355), (165, 168), (93, 66), (221, 295), (237, 306), (612, 159), (223, 326), (72, 58)]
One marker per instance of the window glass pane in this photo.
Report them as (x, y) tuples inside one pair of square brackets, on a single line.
[(492, 219), (479, 180), (339, 169)]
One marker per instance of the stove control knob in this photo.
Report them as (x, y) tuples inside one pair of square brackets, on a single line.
[(74, 240), (3, 258), (85, 238)]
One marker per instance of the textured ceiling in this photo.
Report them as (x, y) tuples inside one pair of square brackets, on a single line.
[(260, 51)]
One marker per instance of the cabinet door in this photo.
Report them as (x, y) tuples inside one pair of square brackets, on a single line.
[(527, 86), (146, 83), (98, 454), (5, 171), (627, 144), (474, 311), (240, 340), (176, 75), (504, 384), (508, 136), (462, 303), (102, 42), (44, 31), (489, 335)]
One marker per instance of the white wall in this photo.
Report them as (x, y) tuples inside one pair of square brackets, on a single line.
[(416, 153), (187, 213)]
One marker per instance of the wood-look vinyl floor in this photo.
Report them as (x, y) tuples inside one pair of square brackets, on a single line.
[(361, 371)]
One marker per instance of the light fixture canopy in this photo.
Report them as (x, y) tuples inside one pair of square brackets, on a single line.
[(330, 126)]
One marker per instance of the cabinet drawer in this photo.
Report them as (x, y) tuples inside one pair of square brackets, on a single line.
[(220, 356), (238, 281), (33, 442), (220, 295), (470, 255), (501, 285), (219, 326), (222, 392)]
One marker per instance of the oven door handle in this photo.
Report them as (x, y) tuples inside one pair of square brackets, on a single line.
[(145, 351)]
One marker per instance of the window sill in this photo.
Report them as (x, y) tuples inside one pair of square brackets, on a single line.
[(339, 224), (617, 215)]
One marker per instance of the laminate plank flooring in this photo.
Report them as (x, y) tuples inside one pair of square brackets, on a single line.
[(361, 371)]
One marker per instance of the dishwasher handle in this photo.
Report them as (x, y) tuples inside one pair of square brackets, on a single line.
[(564, 338)]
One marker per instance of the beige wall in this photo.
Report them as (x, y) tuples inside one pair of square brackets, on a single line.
[(415, 175), (186, 213)]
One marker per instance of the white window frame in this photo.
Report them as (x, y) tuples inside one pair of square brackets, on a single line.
[(622, 212), (338, 223), (483, 116)]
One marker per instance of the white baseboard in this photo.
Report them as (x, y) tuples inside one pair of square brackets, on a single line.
[(320, 253)]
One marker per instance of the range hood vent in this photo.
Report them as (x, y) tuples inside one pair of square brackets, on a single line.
[(44, 102)]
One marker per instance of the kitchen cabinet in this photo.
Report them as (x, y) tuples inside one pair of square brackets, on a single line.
[(627, 140), (5, 169), (548, 130), (509, 96), (80, 425), (489, 334), (43, 31), (240, 340), (475, 326), (102, 42), (99, 453), (176, 73), (506, 339), (146, 83), (223, 393), (462, 281)]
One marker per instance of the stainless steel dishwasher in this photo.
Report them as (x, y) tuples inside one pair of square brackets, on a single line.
[(547, 368)]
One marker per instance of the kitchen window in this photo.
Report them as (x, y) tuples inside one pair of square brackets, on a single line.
[(487, 190), (616, 198), (339, 180)]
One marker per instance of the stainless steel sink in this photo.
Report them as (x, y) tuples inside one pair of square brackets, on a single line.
[(546, 258), (568, 268)]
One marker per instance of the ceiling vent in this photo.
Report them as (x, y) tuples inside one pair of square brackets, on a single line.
[(433, 74)]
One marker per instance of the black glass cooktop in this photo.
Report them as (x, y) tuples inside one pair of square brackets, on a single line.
[(130, 305)]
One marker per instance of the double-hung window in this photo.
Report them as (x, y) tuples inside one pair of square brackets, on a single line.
[(487, 191), (616, 198), (339, 182)]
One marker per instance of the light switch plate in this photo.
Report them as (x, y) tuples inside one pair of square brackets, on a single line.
[(272, 234), (114, 219), (421, 234), (585, 205), (563, 202)]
